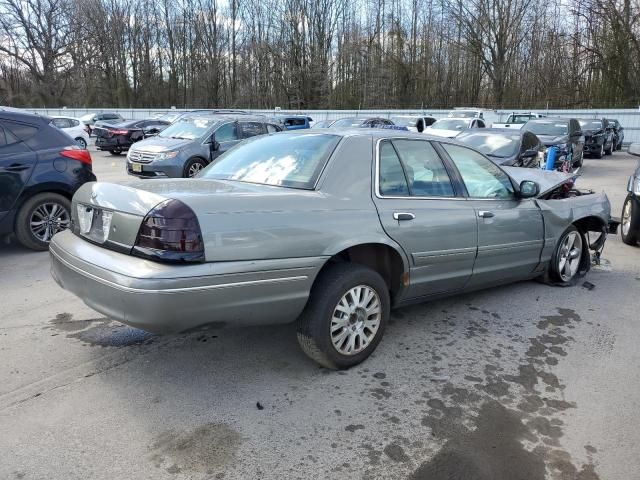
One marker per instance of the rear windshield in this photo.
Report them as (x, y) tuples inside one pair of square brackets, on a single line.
[(495, 145), (188, 129), (294, 161), (348, 122), (450, 124), (591, 124), (547, 128)]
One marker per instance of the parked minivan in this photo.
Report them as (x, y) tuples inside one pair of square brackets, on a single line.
[(187, 146)]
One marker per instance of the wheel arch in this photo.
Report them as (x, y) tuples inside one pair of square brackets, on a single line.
[(383, 257)]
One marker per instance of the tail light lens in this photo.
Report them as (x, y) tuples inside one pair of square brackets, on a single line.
[(77, 153), (170, 232), (117, 132)]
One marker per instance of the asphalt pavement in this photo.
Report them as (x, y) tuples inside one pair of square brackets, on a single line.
[(522, 382)]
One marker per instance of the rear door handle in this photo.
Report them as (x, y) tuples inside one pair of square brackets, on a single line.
[(485, 214), (403, 216)]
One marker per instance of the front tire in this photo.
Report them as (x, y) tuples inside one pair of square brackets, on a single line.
[(115, 151), (570, 258), (600, 153), (630, 224), (345, 316), (40, 218), (609, 150), (193, 167)]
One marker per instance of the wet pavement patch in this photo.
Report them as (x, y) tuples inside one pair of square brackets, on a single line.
[(491, 451), (206, 449)]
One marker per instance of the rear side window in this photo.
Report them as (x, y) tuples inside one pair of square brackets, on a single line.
[(424, 169), (61, 122), (392, 181), (272, 128), (251, 129), (21, 130)]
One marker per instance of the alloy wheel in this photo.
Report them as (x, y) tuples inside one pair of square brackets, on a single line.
[(570, 256), (355, 320), (194, 169), (47, 220)]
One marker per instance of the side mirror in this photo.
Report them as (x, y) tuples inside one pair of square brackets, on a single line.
[(529, 189), (634, 149)]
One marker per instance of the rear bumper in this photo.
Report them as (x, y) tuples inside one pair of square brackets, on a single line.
[(113, 142), (163, 298)]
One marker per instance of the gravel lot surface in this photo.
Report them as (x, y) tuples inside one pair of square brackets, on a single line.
[(523, 382)]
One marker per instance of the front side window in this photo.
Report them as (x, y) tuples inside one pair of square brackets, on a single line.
[(272, 128), (279, 160), (481, 177), (227, 133)]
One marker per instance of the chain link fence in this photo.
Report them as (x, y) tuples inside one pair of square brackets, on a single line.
[(629, 118)]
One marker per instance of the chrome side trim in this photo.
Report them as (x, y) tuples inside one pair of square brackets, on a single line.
[(176, 290)]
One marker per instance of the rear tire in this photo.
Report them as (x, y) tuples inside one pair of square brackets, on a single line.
[(609, 150), (41, 217), (630, 222), (115, 151), (81, 143), (345, 316)]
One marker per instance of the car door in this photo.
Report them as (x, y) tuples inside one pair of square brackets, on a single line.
[(17, 162), (226, 136), (419, 207), (576, 138), (510, 229)]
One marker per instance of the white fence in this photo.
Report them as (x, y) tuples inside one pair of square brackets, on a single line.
[(629, 118)]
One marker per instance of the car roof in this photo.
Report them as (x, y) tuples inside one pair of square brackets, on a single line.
[(466, 119), (22, 116), (496, 131), (374, 133), (549, 120), (221, 117)]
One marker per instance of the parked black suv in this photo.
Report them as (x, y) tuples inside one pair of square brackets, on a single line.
[(618, 133), (598, 136), (41, 167), (563, 133)]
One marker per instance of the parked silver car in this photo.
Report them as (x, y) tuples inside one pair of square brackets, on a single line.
[(332, 229), (190, 144)]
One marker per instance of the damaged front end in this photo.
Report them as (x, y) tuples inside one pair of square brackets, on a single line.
[(562, 205)]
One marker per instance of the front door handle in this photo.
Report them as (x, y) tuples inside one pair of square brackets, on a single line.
[(485, 214), (16, 167), (403, 216)]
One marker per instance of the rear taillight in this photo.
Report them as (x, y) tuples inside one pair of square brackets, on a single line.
[(77, 153), (117, 132), (170, 232)]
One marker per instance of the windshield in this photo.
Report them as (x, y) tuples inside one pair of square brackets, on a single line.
[(279, 160), (322, 124), (88, 116), (171, 117), (519, 119), (348, 122), (450, 124), (188, 129), (492, 144), (591, 124), (547, 128), (464, 114), (405, 121)]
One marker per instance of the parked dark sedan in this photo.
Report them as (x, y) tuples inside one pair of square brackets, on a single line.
[(618, 133), (513, 148), (116, 139), (630, 220), (41, 167), (598, 136), (361, 122), (563, 133)]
